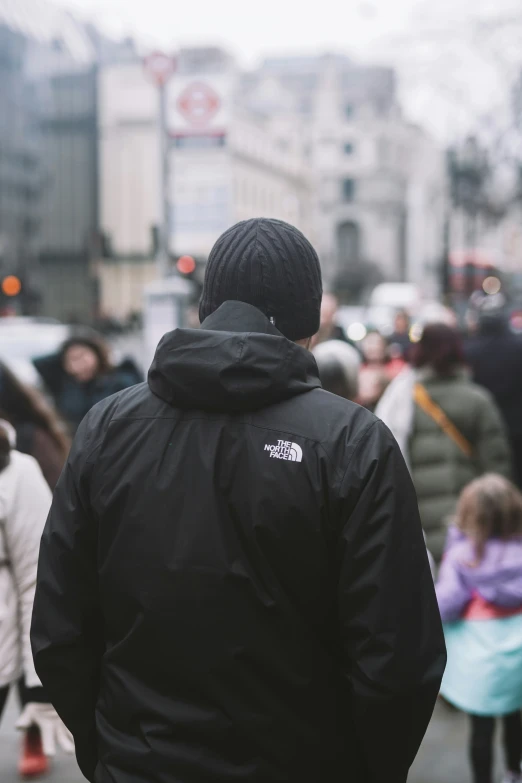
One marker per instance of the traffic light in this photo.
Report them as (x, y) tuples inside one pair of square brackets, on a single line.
[(186, 265), (11, 286)]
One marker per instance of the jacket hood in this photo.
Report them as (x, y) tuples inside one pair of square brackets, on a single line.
[(237, 361), (499, 576)]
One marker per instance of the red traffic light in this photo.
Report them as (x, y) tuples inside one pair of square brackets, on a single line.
[(186, 265), (11, 285)]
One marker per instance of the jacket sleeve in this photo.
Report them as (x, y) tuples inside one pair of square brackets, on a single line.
[(393, 651), (24, 524), (67, 627), (453, 595), (493, 449)]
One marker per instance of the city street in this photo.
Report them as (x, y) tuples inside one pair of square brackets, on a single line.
[(442, 758), (64, 769)]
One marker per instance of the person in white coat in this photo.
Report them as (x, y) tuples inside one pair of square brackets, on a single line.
[(25, 499)]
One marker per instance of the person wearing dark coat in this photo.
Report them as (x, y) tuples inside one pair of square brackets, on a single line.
[(81, 375), (495, 358), (233, 582), (400, 341)]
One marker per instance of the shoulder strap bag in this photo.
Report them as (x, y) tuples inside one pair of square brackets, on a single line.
[(435, 412)]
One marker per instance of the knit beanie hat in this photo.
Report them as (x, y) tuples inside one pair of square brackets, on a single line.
[(270, 265)]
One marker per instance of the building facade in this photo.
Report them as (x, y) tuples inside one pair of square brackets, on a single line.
[(20, 161), (378, 182), (48, 155), (226, 163)]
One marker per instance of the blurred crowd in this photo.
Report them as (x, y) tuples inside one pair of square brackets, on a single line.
[(450, 396), (411, 379), (36, 431), (471, 375), (74, 379)]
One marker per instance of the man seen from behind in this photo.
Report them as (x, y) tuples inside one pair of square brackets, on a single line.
[(233, 583)]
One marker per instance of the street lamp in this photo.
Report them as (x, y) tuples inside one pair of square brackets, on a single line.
[(160, 67)]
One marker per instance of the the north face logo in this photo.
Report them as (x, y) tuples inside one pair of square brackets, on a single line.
[(285, 449)]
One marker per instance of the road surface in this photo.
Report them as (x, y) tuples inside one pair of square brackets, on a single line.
[(64, 769), (442, 758)]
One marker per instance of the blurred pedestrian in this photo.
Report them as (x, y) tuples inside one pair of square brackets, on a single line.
[(400, 342), (495, 358), (376, 353), (329, 329), (373, 382), (377, 371), (81, 375), (339, 366), (449, 429), (233, 582), (38, 430), (25, 499), (480, 598)]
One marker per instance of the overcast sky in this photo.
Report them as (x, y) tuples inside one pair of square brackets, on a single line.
[(447, 78), (252, 28)]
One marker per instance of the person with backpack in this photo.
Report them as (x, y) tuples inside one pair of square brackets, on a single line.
[(25, 499), (449, 429), (480, 598), (233, 582)]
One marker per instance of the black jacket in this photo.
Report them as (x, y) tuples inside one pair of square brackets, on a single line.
[(496, 360), (495, 357), (233, 583)]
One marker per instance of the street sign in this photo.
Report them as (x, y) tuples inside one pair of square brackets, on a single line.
[(200, 107), (198, 104), (159, 67)]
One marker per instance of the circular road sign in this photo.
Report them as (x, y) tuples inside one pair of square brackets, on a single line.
[(159, 67)]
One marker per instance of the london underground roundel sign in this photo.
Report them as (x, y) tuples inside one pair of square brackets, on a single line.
[(198, 104)]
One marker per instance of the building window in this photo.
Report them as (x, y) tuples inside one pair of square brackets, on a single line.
[(348, 111), (348, 148), (348, 243), (348, 189)]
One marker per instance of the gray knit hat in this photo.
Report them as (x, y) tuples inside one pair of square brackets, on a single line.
[(270, 265)]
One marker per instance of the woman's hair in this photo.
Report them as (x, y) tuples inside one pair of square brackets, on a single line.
[(5, 448), (440, 347), (338, 365), (490, 507), (96, 345), (19, 404)]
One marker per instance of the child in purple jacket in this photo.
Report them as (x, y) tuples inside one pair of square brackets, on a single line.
[(480, 599)]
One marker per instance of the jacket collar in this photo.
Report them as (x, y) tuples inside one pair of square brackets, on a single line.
[(238, 361)]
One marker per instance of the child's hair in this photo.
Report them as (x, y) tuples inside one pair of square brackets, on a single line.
[(490, 507)]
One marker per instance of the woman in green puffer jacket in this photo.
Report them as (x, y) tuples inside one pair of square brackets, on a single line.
[(449, 429)]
